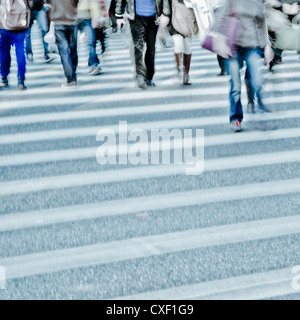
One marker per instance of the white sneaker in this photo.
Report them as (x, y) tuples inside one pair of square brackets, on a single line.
[(95, 70)]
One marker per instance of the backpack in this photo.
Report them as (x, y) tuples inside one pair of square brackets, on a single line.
[(183, 19), (14, 14)]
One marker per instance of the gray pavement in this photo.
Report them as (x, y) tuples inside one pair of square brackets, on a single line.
[(71, 228)]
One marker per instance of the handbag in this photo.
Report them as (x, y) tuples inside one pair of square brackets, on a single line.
[(276, 19), (50, 36), (288, 38), (224, 43), (183, 19)]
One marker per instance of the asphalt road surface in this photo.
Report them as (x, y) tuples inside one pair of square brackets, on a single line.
[(71, 228)]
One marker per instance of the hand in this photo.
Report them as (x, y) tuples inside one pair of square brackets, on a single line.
[(96, 23), (121, 23), (164, 21), (269, 54), (220, 46)]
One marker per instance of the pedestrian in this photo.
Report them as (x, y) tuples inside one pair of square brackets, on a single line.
[(88, 14), (38, 14), (253, 38), (217, 5), (13, 34), (182, 45), (287, 10), (144, 17), (100, 25), (112, 16), (64, 14)]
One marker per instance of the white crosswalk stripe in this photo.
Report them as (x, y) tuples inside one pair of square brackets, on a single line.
[(71, 228)]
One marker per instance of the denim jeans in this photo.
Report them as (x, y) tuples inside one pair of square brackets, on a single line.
[(9, 39), (66, 40), (84, 25), (41, 18), (144, 31), (254, 63)]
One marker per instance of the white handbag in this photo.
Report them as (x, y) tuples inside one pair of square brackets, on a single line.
[(50, 36)]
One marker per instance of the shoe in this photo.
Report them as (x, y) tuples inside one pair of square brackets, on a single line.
[(4, 83), (30, 57), (22, 86), (48, 58), (71, 84), (114, 30), (141, 82), (236, 126), (150, 83), (250, 107), (263, 108), (222, 73), (95, 70), (186, 80)]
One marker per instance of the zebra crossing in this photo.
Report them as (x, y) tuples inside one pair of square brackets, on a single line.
[(71, 228)]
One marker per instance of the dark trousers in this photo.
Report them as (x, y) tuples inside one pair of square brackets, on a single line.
[(9, 39), (66, 40), (144, 31)]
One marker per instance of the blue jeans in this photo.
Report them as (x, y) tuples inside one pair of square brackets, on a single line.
[(66, 40), (41, 18), (254, 63), (9, 39), (84, 25)]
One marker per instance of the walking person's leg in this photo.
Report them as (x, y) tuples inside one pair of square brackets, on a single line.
[(29, 52), (187, 56), (73, 32), (5, 46), (254, 64), (63, 38), (178, 52), (84, 25), (19, 41), (236, 109), (138, 31), (41, 19), (150, 39)]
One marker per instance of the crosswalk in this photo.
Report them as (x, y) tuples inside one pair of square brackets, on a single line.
[(71, 228)]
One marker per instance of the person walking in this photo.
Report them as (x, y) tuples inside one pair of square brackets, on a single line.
[(13, 34), (64, 15), (144, 17), (87, 16), (253, 39), (38, 14), (182, 46), (217, 5)]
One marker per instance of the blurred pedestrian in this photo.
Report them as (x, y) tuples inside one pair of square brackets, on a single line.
[(101, 24), (112, 16), (252, 39), (63, 14), (182, 45), (87, 16), (144, 17), (217, 5), (13, 34), (38, 14)]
